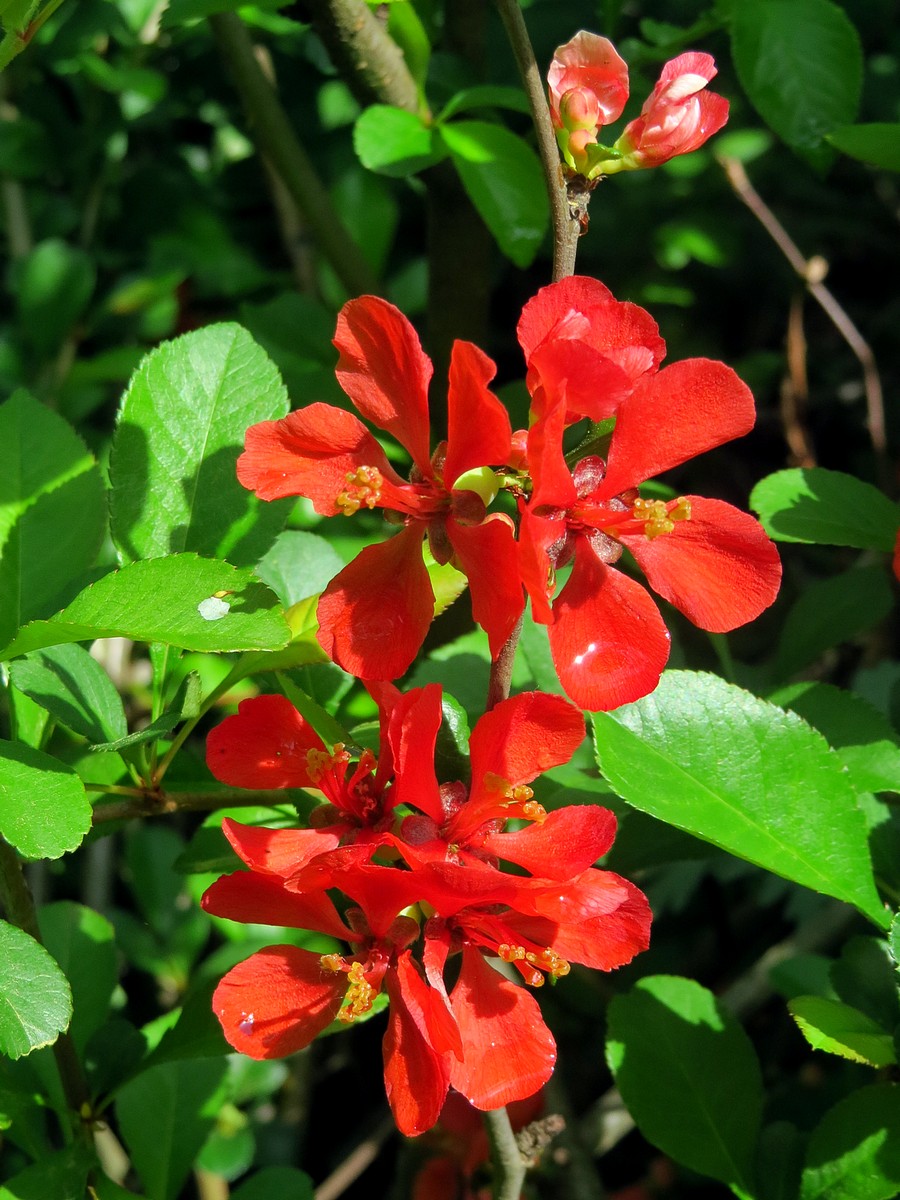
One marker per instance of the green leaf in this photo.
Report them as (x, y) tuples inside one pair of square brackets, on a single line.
[(395, 142), (47, 475), (72, 686), (862, 737), (195, 603), (894, 940), (839, 1029), (863, 977), (181, 12), (854, 1152), (82, 942), (287, 1183), (62, 1175), (827, 508), (800, 62), (298, 565), (485, 96), (688, 1075), (55, 283), (184, 706), (711, 759), (180, 431), (183, 1099), (877, 143), (35, 999), (503, 178), (44, 810), (829, 613)]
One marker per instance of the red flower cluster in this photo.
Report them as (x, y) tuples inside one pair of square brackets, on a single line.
[(428, 904), (588, 356), (588, 84)]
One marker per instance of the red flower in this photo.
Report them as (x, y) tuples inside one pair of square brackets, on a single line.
[(588, 84), (374, 614), (713, 562), (678, 116)]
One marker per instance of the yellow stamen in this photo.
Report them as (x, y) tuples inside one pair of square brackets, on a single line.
[(543, 960), (657, 515), (318, 762), (519, 796), (360, 995), (363, 488)]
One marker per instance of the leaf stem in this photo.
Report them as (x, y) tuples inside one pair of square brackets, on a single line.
[(510, 1167), (566, 229), (277, 139)]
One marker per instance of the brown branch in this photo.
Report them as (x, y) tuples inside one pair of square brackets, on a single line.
[(812, 271), (355, 1163), (277, 139), (566, 229), (164, 804)]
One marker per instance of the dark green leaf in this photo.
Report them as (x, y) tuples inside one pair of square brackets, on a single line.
[(711, 759), (863, 737), (35, 999), (187, 601), (800, 62), (831, 612), (44, 810), (876, 143), (828, 508), (181, 12), (183, 1098), (485, 96), (394, 142), (299, 565), (780, 1161), (839, 1029), (287, 1183), (81, 941), (48, 474), (196, 1033), (72, 686), (62, 1175), (503, 178), (180, 431), (55, 283), (854, 1153), (864, 977), (185, 705), (688, 1075)]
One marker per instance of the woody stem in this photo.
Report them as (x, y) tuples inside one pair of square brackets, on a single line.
[(509, 1165)]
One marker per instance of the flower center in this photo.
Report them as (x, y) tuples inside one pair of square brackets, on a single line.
[(320, 762), (659, 516), (363, 488), (532, 963), (360, 994), (517, 800)]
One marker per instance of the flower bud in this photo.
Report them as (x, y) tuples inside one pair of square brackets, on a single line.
[(579, 108)]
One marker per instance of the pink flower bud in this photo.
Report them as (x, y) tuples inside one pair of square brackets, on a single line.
[(579, 108), (677, 117), (588, 63)]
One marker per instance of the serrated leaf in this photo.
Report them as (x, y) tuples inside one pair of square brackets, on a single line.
[(854, 1152), (712, 759), (828, 508), (48, 474), (800, 62), (395, 142), (35, 999), (688, 1075), (503, 178), (184, 1098), (829, 613), (840, 1029), (72, 686), (877, 143), (862, 737), (166, 600), (44, 809), (179, 434)]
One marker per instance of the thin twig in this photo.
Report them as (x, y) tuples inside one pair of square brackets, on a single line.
[(166, 803), (812, 272), (277, 139), (359, 1160), (566, 230)]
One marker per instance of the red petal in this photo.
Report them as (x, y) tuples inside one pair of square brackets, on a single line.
[(509, 1051), (536, 536), (590, 61), (385, 372), (551, 478), (478, 430), (608, 641), (682, 411), (263, 746), (719, 568), (278, 851), (523, 736), (263, 900), (488, 557), (374, 614), (601, 921), (586, 381), (412, 734), (415, 1075), (309, 453), (559, 309), (562, 846), (277, 1001)]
